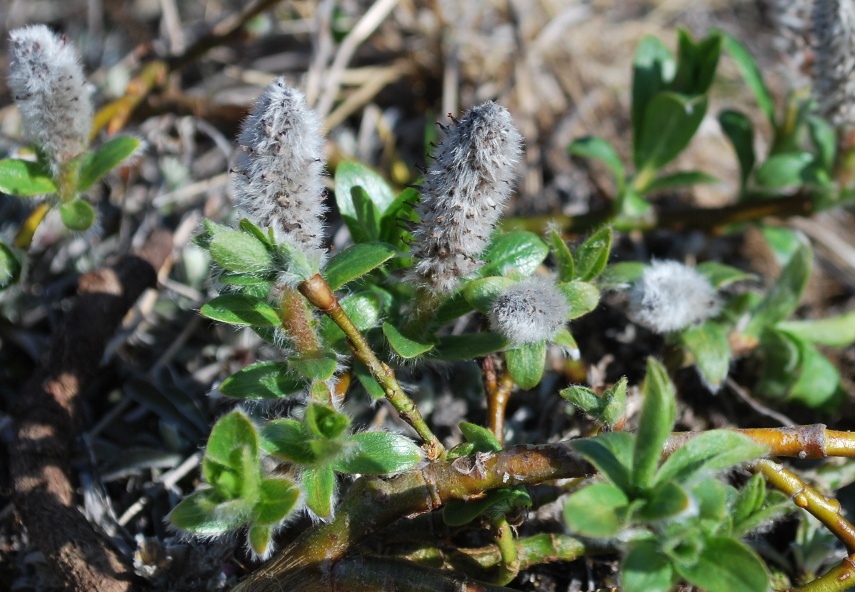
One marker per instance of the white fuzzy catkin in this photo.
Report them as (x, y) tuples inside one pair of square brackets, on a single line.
[(834, 62), (462, 196), (47, 82), (671, 296), (279, 173), (530, 311)]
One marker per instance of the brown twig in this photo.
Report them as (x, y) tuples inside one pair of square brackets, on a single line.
[(497, 404), (47, 420)]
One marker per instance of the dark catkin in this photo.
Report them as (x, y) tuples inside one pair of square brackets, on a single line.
[(834, 61), (464, 191), (278, 180)]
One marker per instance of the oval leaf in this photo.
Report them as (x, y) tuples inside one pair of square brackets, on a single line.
[(600, 149), (592, 255), (237, 309), (670, 122), (404, 346), (526, 364), (240, 252), (709, 345), (379, 453), (350, 174), (520, 250), (598, 510), (317, 365), (726, 564), (24, 178), (77, 215), (278, 499), (452, 348), (658, 412), (265, 380), (319, 486), (482, 438), (105, 159), (201, 515), (356, 261)]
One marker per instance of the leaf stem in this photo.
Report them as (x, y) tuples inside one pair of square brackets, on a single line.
[(318, 292), (499, 392), (503, 535)]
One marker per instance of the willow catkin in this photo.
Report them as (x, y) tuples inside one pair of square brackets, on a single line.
[(834, 61), (530, 311)]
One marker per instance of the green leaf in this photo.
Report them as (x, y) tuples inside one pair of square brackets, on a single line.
[(362, 308), (709, 345), (520, 250), (653, 68), (620, 276), (97, 164), (728, 565), (784, 170), (319, 486), (349, 174), (496, 502), (670, 122), (230, 434), (721, 275), (325, 422), (202, 514), (453, 348), (780, 355), (818, 379), (452, 308), (665, 501), (838, 331), (708, 453), (482, 438), (752, 75), (598, 510), (10, 267), (599, 149), (278, 499), (526, 364), (658, 412), (824, 139), (265, 380), (711, 499), (783, 298), (592, 255), (564, 264), (240, 252), (611, 453), (565, 340), (784, 242), (368, 382), (393, 225), (582, 297), (379, 453), (209, 230), (645, 568), (740, 131), (356, 261), (259, 538), (607, 408), (681, 179), (24, 178), (237, 309), (696, 63), (317, 365), (77, 214), (367, 216), (286, 439), (482, 293), (404, 346)]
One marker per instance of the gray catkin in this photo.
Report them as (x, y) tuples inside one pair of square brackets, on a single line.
[(47, 82), (530, 311), (463, 193), (834, 62), (279, 172)]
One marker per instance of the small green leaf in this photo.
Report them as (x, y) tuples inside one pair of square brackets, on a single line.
[(317, 365), (452, 308), (599, 149), (404, 346), (726, 564), (209, 230), (97, 164), (278, 499), (482, 438), (584, 398), (566, 340), (598, 510), (325, 422), (24, 178), (824, 139), (240, 252), (356, 261), (818, 379), (496, 502), (783, 298), (708, 453), (453, 348), (77, 214), (780, 355), (362, 308), (286, 439), (319, 486), (709, 345), (620, 276), (836, 331), (367, 216), (721, 275), (752, 75), (645, 568), (520, 250), (670, 122), (607, 408), (592, 255), (711, 499), (350, 174), (482, 293), (237, 309), (259, 538), (740, 131), (265, 380), (681, 179), (582, 297), (393, 225), (653, 68), (665, 501), (611, 453), (368, 382), (202, 514), (658, 412), (230, 434), (696, 63), (10, 267), (784, 242), (526, 364), (784, 170), (564, 264), (379, 453)]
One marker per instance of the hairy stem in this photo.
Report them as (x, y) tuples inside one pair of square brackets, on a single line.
[(296, 320)]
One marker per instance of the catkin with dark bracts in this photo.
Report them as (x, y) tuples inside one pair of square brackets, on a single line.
[(834, 62), (279, 172), (47, 83), (463, 193)]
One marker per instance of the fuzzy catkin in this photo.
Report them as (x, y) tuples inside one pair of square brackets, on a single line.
[(279, 172), (530, 311), (834, 63), (671, 296), (47, 82), (462, 196)]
